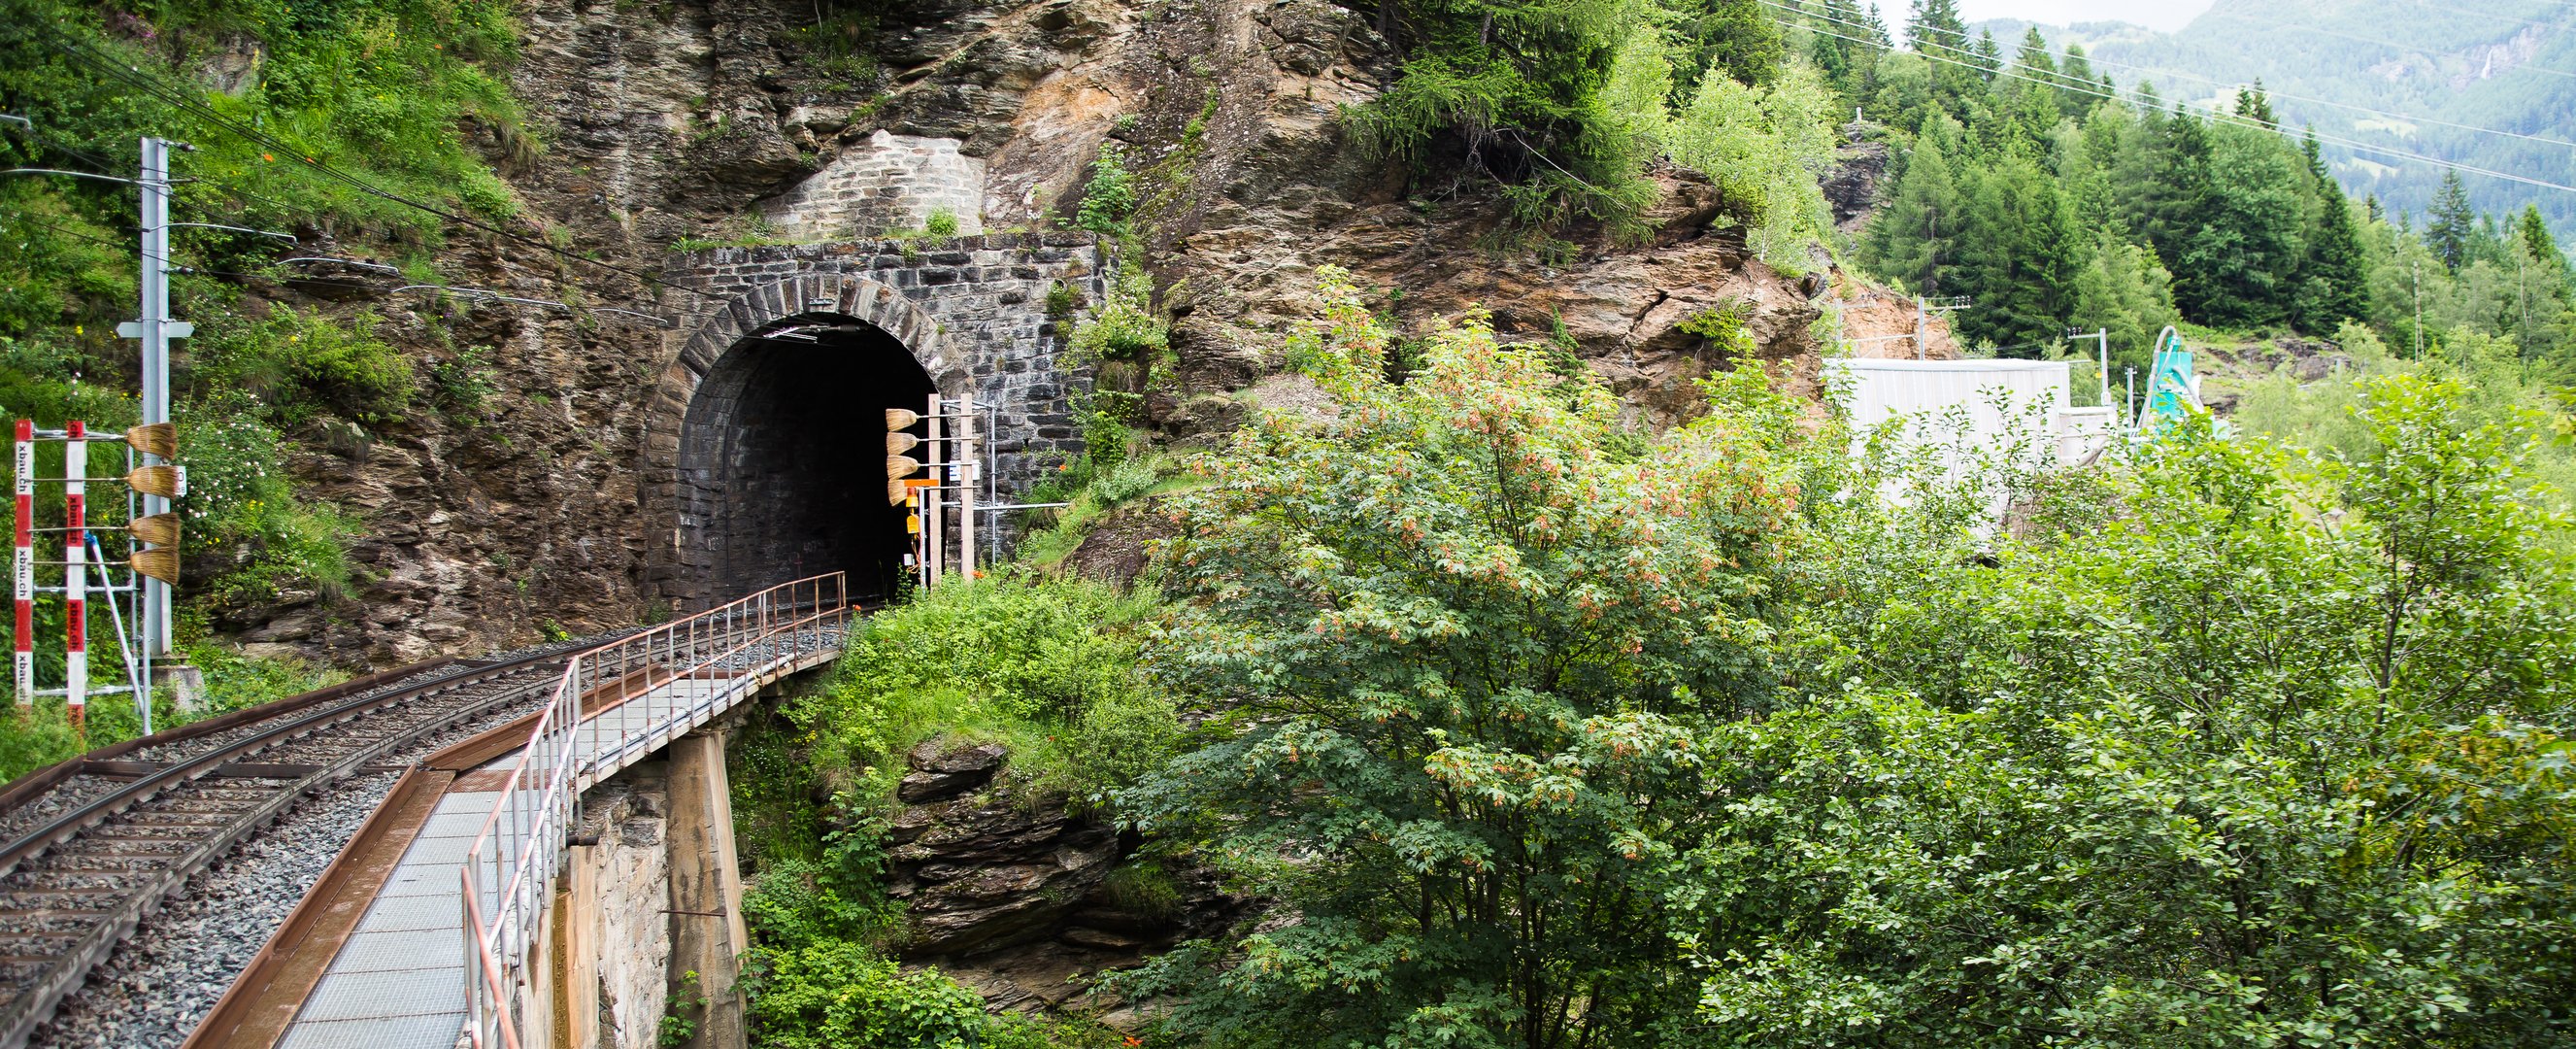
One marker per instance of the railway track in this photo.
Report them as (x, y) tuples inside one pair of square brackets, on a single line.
[(81, 870)]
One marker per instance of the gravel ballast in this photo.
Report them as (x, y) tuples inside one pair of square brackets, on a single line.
[(152, 990)]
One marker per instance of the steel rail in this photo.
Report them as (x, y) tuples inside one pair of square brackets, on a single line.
[(37, 1001), (24, 790)]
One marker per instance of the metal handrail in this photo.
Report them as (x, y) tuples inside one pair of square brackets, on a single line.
[(510, 869)]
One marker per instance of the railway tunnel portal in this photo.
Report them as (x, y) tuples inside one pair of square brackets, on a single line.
[(764, 442)]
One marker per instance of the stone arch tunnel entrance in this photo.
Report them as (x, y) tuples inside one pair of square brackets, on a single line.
[(783, 455), (763, 453)]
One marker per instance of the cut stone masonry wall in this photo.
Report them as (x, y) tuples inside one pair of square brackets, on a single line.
[(970, 310), (890, 182)]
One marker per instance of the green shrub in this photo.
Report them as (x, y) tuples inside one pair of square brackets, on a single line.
[(1110, 198), (244, 521), (465, 385), (1046, 666), (1142, 885), (297, 365), (1124, 328), (1128, 480), (941, 223), (836, 994)]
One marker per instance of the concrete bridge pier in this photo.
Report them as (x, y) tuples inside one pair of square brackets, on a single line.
[(646, 933), (708, 935)]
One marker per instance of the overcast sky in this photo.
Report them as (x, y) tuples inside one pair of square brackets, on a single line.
[(2167, 15)]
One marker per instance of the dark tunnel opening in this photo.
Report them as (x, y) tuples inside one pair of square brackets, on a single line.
[(783, 459)]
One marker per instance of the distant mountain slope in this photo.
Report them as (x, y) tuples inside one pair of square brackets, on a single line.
[(2508, 65)]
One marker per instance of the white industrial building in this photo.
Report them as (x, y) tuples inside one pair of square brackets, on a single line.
[(2018, 410)]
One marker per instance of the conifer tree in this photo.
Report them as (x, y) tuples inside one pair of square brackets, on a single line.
[(2031, 94), (1936, 31), (1877, 33), (2246, 241), (2163, 182), (2334, 286), (2080, 85), (1737, 37), (1910, 239), (1987, 55), (2536, 241), (2018, 254), (1935, 28), (2450, 223), (2253, 105), (2124, 291)]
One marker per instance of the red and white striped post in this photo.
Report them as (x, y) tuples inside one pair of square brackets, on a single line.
[(75, 572), (22, 574)]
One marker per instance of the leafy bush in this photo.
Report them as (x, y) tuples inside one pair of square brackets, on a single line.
[(1764, 147), (1109, 199), (248, 536), (1516, 92), (941, 223), (836, 994), (2248, 757), (465, 385), (1143, 885), (1461, 653), (1127, 481), (1060, 299), (297, 364), (1047, 666), (1122, 330)]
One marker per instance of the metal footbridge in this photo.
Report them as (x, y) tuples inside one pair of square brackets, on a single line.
[(448, 915)]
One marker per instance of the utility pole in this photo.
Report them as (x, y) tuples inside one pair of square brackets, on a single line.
[(2522, 291), (154, 329), (1952, 304), (2101, 336)]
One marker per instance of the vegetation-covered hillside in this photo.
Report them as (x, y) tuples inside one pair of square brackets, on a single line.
[(410, 96), (2057, 196), (2432, 71), (1526, 731)]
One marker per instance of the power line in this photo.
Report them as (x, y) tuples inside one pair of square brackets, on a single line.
[(2215, 116), (2401, 48), (82, 52), (2146, 71), (67, 231)]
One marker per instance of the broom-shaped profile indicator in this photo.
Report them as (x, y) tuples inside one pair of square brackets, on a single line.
[(156, 530), (162, 481), (899, 465), (161, 564), (158, 439)]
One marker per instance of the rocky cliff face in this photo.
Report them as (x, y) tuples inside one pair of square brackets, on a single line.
[(684, 119), (1017, 897)]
